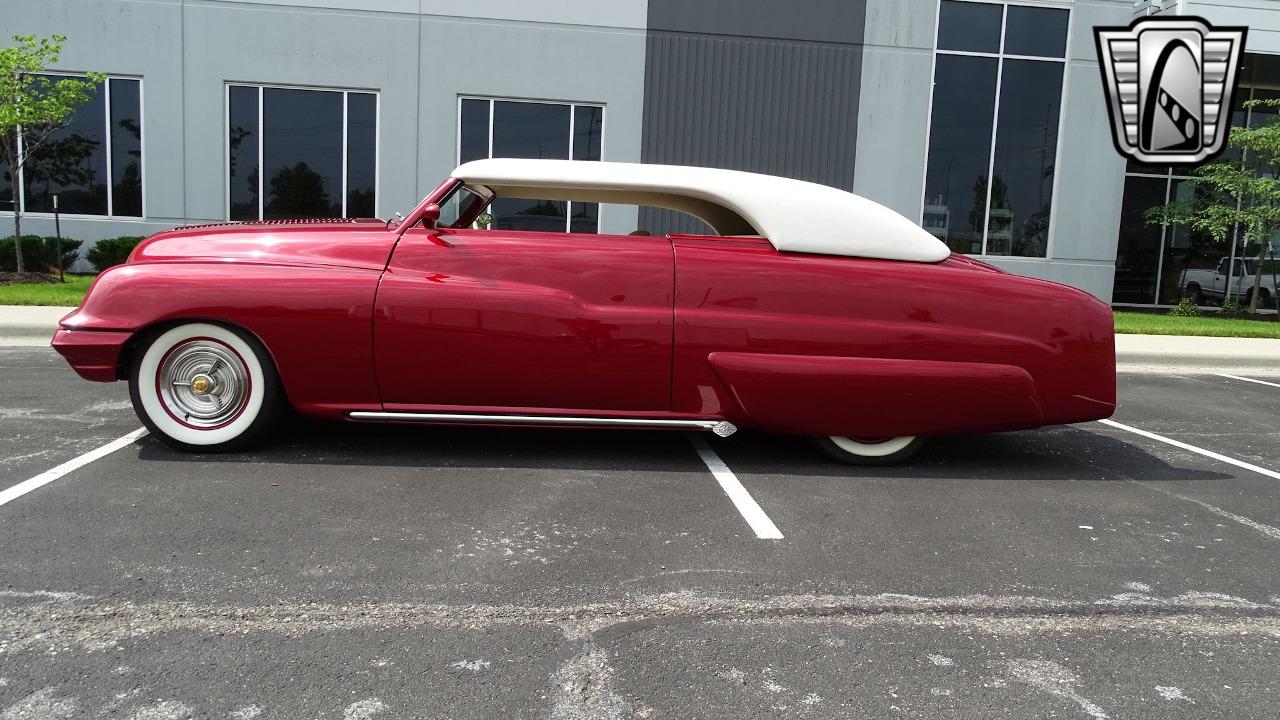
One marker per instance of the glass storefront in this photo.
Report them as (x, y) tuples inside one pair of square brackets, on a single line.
[(1156, 263)]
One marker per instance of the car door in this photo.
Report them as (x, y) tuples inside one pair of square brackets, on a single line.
[(1220, 278), (496, 319)]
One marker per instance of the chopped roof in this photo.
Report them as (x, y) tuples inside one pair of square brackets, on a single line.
[(794, 215)]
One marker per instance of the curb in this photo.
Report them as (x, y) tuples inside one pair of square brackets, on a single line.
[(29, 325)]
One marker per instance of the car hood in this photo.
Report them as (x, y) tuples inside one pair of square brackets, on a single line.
[(340, 242)]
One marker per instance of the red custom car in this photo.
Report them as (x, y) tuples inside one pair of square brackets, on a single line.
[(812, 311)]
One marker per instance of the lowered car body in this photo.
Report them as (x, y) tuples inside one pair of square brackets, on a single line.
[(436, 320)]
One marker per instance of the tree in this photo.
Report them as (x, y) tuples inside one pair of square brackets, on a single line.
[(34, 106), (1237, 194)]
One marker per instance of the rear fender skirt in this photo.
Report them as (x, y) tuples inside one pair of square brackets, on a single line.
[(878, 397)]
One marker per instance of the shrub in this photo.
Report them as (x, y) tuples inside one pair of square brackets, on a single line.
[(1231, 308), (112, 251), (39, 254), (1185, 308)]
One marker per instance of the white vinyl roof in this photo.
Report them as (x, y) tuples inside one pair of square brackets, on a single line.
[(795, 216)]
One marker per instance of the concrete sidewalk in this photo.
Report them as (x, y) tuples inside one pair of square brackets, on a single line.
[(34, 326), (29, 325)]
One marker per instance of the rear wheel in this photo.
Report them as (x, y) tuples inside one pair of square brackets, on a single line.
[(870, 451), (1193, 293), (201, 387)]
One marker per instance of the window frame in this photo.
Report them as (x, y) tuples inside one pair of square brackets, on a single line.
[(261, 87), (573, 105), (20, 192), (1000, 56)]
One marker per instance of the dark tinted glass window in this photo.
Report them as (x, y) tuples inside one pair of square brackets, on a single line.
[(362, 138), (126, 147), (473, 135), (518, 214), (72, 163), (960, 150), (1185, 249), (242, 140), (588, 136), (588, 132), (6, 191), (533, 130), (302, 153), (530, 130), (1026, 145), (1138, 251), (584, 218), (1036, 31), (969, 26)]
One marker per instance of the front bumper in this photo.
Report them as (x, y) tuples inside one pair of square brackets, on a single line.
[(93, 354)]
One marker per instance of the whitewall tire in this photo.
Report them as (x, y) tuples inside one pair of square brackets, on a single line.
[(201, 387), (870, 451)]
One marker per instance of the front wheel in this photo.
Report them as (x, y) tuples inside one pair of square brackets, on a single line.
[(869, 451), (201, 387)]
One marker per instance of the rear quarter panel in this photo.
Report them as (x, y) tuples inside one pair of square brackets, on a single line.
[(927, 348), (315, 321)]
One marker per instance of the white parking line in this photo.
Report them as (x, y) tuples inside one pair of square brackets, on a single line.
[(1237, 377), (1268, 530), (1194, 449), (52, 474), (751, 512)]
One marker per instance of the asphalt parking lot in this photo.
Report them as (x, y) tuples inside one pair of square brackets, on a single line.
[(361, 571)]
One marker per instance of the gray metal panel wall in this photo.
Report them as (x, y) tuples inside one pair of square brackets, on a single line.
[(760, 95)]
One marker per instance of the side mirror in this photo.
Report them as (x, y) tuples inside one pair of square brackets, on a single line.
[(430, 216)]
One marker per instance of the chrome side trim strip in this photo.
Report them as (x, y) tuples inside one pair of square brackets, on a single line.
[(719, 427)]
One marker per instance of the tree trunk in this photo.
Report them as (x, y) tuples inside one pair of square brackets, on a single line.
[(1257, 278), (17, 235)]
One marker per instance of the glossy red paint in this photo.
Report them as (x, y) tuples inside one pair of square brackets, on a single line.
[(526, 319), (357, 317), (739, 295), (93, 355)]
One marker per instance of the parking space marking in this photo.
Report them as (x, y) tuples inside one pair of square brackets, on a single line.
[(1268, 530), (1237, 377), (747, 505), (1194, 449), (52, 474)]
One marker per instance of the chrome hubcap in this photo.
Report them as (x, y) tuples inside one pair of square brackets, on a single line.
[(203, 383)]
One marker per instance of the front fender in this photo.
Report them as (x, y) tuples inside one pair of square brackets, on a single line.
[(316, 322)]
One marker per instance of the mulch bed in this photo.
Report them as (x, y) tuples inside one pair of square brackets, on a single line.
[(27, 278)]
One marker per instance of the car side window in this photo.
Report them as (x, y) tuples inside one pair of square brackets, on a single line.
[(462, 205)]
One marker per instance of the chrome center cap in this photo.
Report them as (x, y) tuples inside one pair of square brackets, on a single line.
[(201, 384)]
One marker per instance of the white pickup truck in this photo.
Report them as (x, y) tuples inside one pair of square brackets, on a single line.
[(1201, 285)]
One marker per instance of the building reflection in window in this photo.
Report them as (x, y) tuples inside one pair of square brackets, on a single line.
[(491, 128), (299, 152), (1153, 260), (986, 198)]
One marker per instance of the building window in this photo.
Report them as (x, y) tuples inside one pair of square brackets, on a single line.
[(1152, 259), (993, 133), (94, 163), (491, 128), (300, 152)]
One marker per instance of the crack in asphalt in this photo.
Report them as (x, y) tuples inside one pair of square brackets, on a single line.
[(51, 620)]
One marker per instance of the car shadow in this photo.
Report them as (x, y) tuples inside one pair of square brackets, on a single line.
[(300, 441), (1067, 453)]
